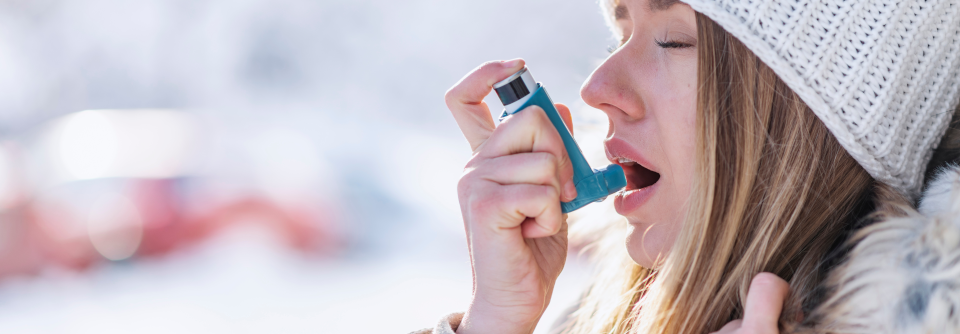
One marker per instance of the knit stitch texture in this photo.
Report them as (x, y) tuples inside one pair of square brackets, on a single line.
[(881, 74)]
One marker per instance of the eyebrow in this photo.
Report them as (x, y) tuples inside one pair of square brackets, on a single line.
[(620, 11), (658, 5)]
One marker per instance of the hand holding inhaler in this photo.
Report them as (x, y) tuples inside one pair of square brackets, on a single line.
[(510, 197), (519, 91)]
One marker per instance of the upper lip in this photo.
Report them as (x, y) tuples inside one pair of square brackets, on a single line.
[(618, 148)]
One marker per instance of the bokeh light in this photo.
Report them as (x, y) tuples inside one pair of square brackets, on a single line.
[(88, 145), (144, 143), (114, 226)]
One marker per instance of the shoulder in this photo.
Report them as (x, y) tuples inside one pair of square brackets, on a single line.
[(903, 273)]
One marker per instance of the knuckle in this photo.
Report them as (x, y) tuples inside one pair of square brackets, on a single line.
[(550, 193), (550, 158), (545, 161), (465, 183), (547, 167), (450, 96), (469, 181), (556, 159)]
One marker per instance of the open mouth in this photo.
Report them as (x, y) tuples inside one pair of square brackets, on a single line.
[(638, 177)]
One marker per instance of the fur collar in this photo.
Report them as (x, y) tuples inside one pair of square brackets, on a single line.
[(903, 275)]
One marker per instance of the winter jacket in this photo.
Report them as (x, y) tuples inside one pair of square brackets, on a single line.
[(903, 275)]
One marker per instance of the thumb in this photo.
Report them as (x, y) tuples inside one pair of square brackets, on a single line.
[(764, 303)]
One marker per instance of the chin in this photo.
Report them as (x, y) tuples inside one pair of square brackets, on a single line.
[(649, 243)]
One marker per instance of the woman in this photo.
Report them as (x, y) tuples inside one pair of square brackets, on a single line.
[(755, 136)]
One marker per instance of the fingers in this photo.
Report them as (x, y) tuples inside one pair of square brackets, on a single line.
[(539, 168), (530, 130), (532, 228), (535, 208), (565, 115), (465, 99), (541, 207), (764, 303), (515, 191)]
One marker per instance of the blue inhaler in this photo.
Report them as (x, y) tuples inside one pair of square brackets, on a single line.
[(593, 185)]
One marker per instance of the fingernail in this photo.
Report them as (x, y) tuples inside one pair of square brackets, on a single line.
[(570, 190), (512, 63)]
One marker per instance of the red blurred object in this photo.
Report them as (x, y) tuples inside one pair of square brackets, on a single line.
[(60, 239), (167, 225), (19, 248), (163, 220), (41, 233), (296, 226)]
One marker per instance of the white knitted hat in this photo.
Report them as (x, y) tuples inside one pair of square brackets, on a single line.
[(881, 74)]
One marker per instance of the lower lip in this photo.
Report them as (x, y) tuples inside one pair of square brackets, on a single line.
[(629, 201)]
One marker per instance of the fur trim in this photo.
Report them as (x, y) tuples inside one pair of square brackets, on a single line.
[(903, 274)]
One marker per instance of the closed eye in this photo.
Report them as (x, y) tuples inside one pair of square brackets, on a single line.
[(663, 44), (672, 44)]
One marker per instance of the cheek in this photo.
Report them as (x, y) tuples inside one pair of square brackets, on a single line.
[(674, 113), (655, 237), (680, 144), (680, 121), (677, 122)]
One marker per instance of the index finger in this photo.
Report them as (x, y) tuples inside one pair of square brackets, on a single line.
[(764, 303), (465, 99)]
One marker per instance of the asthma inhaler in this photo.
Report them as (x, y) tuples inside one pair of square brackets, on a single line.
[(593, 185)]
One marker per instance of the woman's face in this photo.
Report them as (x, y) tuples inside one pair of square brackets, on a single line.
[(648, 89)]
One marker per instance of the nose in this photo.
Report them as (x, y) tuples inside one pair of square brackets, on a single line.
[(611, 88)]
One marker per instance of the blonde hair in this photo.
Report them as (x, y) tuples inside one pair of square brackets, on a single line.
[(774, 192)]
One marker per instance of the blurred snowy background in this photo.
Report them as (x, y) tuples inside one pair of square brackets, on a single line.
[(252, 166)]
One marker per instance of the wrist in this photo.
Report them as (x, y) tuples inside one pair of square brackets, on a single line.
[(483, 319)]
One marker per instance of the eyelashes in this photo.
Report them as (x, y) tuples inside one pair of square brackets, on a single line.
[(672, 44), (663, 44)]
